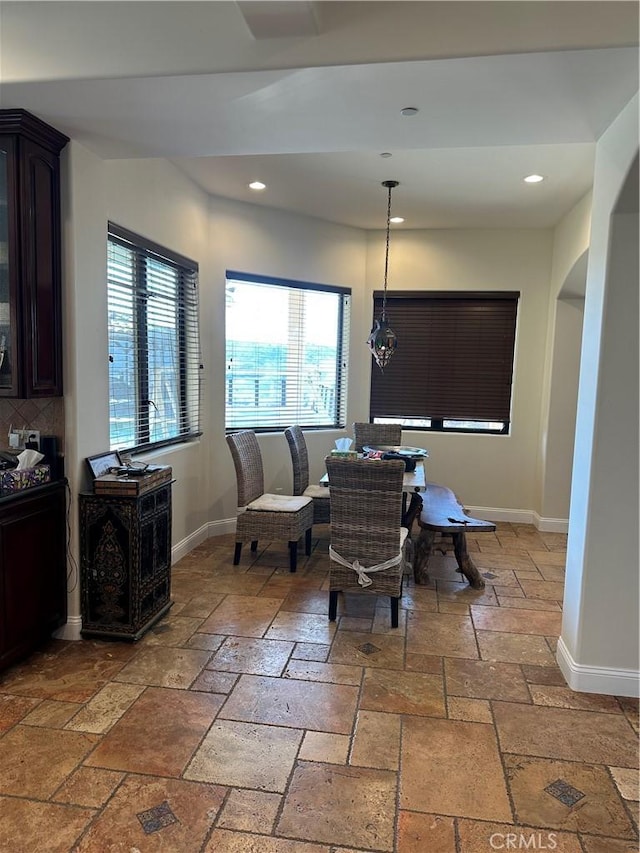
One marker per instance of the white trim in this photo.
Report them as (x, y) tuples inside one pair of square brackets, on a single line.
[(70, 631), (520, 516), (516, 516), (551, 525), (597, 679), (206, 531)]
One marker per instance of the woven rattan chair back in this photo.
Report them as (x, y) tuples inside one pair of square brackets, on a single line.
[(265, 516), (247, 460), (376, 435), (300, 465), (299, 458), (366, 517)]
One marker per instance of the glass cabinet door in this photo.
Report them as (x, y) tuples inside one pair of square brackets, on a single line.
[(6, 322)]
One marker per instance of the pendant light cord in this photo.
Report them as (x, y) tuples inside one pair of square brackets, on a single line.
[(390, 185)]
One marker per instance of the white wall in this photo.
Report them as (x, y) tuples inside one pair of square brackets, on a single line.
[(486, 471), (598, 648)]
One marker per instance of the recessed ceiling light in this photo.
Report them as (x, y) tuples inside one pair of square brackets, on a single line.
[(397, 220), (386, 154), (257, 185), (533, 179), (409, 111)]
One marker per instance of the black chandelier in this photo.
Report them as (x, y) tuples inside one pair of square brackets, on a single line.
[(382, 341)]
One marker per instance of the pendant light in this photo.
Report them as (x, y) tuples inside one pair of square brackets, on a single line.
[(382, 341)]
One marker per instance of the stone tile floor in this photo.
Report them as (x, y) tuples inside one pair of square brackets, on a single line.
[(245, 722)]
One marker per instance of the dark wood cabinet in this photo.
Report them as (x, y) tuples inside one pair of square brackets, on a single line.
[(30, 265), (33, 576), (125, 562)]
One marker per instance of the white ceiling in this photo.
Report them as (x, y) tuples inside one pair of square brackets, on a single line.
[(306, 96)]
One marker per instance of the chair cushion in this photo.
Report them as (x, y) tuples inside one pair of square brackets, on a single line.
[(317, 492), (278, 503)]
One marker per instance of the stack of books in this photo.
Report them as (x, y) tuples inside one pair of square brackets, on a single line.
[(132, 482)]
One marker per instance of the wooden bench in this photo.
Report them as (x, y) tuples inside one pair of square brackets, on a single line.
[(437, 510)]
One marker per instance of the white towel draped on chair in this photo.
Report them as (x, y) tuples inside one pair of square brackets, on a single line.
[(363, 572)]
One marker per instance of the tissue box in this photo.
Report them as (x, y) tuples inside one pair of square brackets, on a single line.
[(14, 481), (345, 454)]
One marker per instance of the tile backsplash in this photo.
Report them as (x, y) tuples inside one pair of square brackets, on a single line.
[(46, 415)]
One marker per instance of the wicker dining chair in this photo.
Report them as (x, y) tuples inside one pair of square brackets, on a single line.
[(265, 516), (369, 549), (376, 434), (300, 463)]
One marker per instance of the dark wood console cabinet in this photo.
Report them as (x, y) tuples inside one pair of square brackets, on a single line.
[(30, 266), (125, 562), (33, 569)]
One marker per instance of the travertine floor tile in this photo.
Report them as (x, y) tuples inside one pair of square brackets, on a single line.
[(376, 741), (627, 782), (514, 648), (186, 810), (325, 748), (164, 666), (473, 710), (482, 837), (242, 615), (245, 755), (422, 833), (173, 630), (180, 717), (512, 621), (14, 708), (564, 697), (385, 650), (598, 844), (591, 802), (340, 805), (88, 786), (302, 628), (226, 841), (52, 714), (452, 767), (572, 735), (106, 707), (403, 693), (288, 702), (311, 651), (246, 654), (441, 634), (33, 826), (338, 673), (481, 679), (250, 811), (35, 761)]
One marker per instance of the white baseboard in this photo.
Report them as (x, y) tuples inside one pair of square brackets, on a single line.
[(211, 528), (70, 631), (597, 679), (551, 525), (519, 516)]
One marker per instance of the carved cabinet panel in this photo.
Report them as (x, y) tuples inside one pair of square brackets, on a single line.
[(125, 562)]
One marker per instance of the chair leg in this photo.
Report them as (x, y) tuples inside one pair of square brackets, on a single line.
[(293, 556), (254, 545), (236, 553), (394, 611), (333, 605), (307, 542)]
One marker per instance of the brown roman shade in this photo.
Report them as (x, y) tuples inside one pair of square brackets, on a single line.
[(454, 358)]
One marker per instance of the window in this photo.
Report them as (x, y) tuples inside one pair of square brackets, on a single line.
[(287, 353), (154, 356), (453, 367)]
